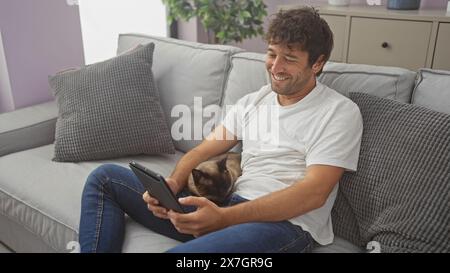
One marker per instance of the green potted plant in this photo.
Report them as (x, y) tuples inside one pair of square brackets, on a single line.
[(227, 20)]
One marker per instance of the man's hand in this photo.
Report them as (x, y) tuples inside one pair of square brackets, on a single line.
[(207, 218), (153, 204)]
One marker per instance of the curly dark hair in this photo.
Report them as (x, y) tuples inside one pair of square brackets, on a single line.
[(302, 28)]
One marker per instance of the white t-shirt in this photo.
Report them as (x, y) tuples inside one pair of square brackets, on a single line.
[(280, 142)]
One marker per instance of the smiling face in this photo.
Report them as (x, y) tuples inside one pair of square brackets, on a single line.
[(291, 74)]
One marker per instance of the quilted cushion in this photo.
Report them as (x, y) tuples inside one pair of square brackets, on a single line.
[(399, 197), (110, 109)]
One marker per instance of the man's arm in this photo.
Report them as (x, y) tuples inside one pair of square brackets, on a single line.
[(218, 142), (306, 195)]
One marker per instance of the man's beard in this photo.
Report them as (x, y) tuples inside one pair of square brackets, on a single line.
[(288, 89), (294, 85)]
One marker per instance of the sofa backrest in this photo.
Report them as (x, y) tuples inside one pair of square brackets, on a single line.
[(184, 70), (433, 90), (382, 81), (247, 74), (220, 75)]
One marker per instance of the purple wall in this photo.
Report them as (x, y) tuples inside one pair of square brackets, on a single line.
[(39, 39)]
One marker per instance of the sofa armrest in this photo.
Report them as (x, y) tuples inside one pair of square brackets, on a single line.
[(28, 128)]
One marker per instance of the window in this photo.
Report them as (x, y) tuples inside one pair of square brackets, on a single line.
[(103, 20)]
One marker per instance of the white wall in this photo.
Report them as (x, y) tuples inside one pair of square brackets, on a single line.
[(103, 20)]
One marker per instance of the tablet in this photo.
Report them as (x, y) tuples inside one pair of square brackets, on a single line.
[(156, 186)]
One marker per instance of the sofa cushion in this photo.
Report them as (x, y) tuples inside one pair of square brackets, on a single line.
[(345, 223), (110, 109), (42, 200), (433, 90), (248, 74), (184, 70), (32, 220), (400, 192), (139, 239), (28, 127), (382, 81), (339, 245)]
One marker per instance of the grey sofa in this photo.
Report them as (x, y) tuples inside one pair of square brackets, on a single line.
[(40, 199)]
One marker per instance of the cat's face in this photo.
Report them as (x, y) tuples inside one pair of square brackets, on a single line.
[(213, 180)]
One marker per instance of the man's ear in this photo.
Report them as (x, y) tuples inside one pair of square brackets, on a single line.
[(318, 65)]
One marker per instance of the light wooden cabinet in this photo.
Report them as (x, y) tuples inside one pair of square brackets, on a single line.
[(441, 58), (338, 27), (389, 42), (379, 36)]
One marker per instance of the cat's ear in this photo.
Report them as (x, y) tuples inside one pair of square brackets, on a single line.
[(197, 175), (222, 164)]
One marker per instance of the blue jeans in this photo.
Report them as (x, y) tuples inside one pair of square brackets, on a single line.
[(111, 191)]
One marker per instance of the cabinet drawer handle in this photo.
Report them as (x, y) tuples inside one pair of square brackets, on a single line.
[(384, 45)]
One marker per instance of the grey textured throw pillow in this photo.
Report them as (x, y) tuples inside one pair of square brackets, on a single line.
[(110, 109), (400, 194)]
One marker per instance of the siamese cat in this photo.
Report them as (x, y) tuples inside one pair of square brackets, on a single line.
[(214, 179)]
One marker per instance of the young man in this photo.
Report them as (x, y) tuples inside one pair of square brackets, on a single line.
[(284, 197)]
